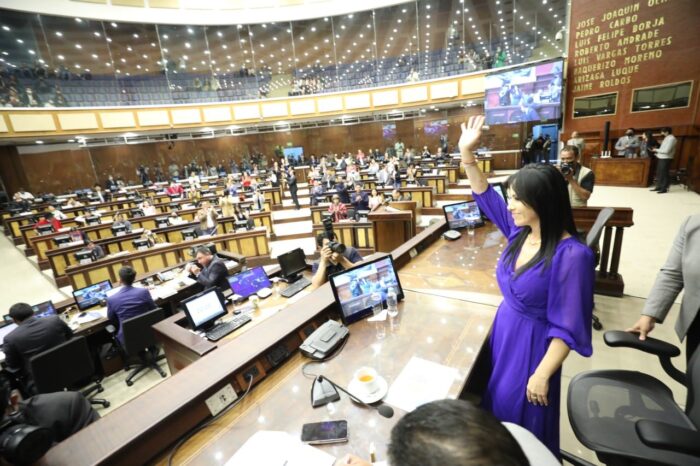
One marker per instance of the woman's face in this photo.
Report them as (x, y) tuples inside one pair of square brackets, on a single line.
[(374, 192), (523, 214)]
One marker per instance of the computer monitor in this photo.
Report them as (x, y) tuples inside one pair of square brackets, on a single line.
[(501, 190), (44, 229), (119, 230), (84, 256), (93, 220), (461, 214), (44, 309), (204, 308), (136, 212), (249, 282), (174, 206), (140, 244), (162, 222), (292, 264), (353, 288), (62, 239), (188, 234), (5, 329), (92, 295)]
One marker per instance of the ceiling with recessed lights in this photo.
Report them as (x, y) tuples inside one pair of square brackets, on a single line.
[(132, 63)]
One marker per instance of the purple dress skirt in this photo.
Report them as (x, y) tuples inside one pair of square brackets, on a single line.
[(540, 304)]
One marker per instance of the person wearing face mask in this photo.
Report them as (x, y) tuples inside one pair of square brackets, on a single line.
[(546, 276), (580, 179), (628, 145)]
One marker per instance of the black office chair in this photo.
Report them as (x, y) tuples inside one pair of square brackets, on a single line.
[(592, 239), (139, 340), (68, 366), (631, 418)]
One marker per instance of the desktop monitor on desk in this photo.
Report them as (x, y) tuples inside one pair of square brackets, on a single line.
[(249, 282), (174, 206), (292, 263), (353, 288), (140, 244), (188, 234), (119, 230), (84, 256), (44, 309), (162, 222), (204, 308), (92, 295), (93, 220), (461, 214), (136, 212), (61, 240), (44, 229)]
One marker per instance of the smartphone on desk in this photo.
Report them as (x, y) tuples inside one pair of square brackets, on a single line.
[(316, 433)]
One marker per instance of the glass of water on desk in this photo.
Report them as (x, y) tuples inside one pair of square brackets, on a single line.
[(470, 227), (380, 325)]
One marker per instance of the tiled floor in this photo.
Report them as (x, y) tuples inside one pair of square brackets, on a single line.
[(646, 244)]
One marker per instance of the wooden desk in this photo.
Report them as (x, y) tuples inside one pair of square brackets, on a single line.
[(391, 229), (618, 171), (149, 424)]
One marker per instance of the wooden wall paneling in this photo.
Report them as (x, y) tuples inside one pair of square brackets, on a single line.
[(58, 171), (11, 171)]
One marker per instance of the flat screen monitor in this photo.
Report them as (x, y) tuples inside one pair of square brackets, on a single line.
[(292, 264), (44, 309), (63, 239), (527, 93), (174, 206), (188, 234), (119, 230), (293, 153), (249, 282), (140, 243), (5, 329), (435, 127), (162, 222), (91, 295), (354, 287), (460, 214), (204, 308), (84, 256), (92, 220), (136, 212), (44, 229)]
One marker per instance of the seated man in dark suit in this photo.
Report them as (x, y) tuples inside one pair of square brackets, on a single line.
[(211, 270), (129, 301), (64, 413), (359, 200), (32, 336)]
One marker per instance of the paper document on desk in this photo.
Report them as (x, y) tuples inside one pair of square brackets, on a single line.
[(89, 317), (420, 382), (270, 448)]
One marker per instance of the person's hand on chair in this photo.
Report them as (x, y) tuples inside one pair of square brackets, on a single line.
[(643, 326)]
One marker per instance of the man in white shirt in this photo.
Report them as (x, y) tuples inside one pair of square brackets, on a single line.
[(664, 154)]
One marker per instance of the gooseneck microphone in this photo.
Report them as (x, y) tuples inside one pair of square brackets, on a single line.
[(383, 409)]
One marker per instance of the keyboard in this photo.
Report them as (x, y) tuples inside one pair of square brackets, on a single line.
[(223, 329), (295, 287)]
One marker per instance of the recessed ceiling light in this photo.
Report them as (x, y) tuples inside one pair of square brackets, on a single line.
[(39, 142), (20, 41), (59, 33), (78, 20), (6, 28)]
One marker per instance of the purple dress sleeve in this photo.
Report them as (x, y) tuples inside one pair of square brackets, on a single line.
[(496, 210), (570, 301)]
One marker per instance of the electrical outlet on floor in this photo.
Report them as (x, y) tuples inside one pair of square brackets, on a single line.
[(221, 399)]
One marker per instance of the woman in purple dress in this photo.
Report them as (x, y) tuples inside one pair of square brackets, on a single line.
[(546, 276)]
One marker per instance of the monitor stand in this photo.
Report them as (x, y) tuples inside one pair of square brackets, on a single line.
[(293, 278)]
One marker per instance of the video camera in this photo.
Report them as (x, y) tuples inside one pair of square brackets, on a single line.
[(566, 168), (328, 231)]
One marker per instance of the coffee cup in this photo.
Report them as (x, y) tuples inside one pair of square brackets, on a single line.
[(366, 380)]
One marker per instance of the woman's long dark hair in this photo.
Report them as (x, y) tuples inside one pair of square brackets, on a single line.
[(543, 188)]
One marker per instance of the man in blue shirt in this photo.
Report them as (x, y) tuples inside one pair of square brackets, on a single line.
[(128, 302), (331, 262)]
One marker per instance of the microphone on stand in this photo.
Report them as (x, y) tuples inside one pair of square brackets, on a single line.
[(383, 409)]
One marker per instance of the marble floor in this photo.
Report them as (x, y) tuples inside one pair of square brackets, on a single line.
[(646, 245)]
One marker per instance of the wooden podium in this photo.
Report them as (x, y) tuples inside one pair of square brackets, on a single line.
[(392, 228)]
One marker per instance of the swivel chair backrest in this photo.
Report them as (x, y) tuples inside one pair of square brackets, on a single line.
[(138, 331), (65, 366), (692, 402), (596, 230)]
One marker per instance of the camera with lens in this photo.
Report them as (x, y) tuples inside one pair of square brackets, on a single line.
[(328, 231), (566, 168)]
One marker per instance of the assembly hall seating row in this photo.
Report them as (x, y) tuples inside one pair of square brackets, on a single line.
[(252, 244)]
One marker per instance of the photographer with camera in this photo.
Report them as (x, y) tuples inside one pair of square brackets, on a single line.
[(580, 179), (335, 257)]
